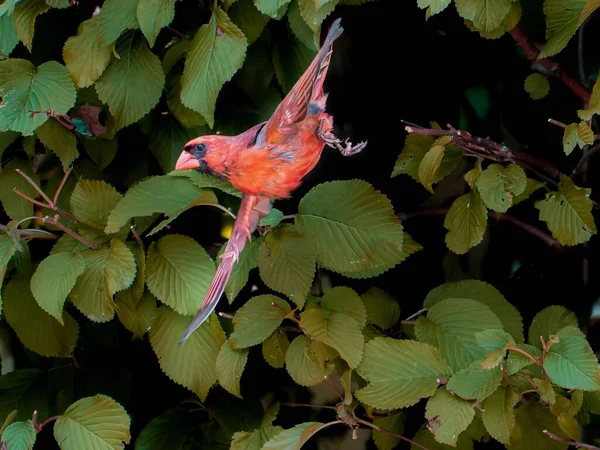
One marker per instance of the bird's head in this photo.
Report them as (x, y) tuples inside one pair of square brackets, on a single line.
[(205, 153)]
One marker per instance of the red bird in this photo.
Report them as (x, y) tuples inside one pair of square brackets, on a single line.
[(267, 162)]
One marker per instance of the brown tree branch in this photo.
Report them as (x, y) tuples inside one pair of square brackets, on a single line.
[(549, 65), (569, 441), (55, 220), (397, 436)]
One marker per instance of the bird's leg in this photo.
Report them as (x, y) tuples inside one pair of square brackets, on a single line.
[(325, 132)]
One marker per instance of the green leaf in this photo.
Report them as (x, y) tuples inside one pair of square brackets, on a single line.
[(290, 59), (315, 12), (257, 319), (132, 84), (93, 422), (179, 272), (248, 18), (547, 394), (53, 280), (301, 367), (16, 207), (294, 438), (25, 15), (139, 317), (562, 21), (571, 364), (450, 414), (570, 138), (8, 34), (153, 15), (594, 103), (569, 426), (466, 222), (352, 226), (60, 140), (162, 194), (299, 27), (337, 330), (517, 361), (399, 372), (230, 365), (25, 390), (530, 421), (286, 262), (585, 135), (382, 309), (115, 17), (272, 219), (550, 321), (498, 413), (427, 440), (92, 202), (86, 55), (107, 271), (393, 423), (186, 116), (37, 330), (48, 86), (451, 325), (193, 364), (486, 15), (8, 7), (498, 185), (60, 4), (175, 429), (8, 247), (429, 165), (270, 7), (530, 188), (494, 339), (433, 6), (344, 300), (475, 383), (134, 293), (239, 275), (19, 436), (274, 349), (204, 181), (212, 60), (537, 86), (101, 151), (483, 293)]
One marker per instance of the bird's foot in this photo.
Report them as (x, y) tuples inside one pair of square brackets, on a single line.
[(234, 254), (345, 147)]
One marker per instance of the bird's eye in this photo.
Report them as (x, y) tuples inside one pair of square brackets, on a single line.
[(200, 147)]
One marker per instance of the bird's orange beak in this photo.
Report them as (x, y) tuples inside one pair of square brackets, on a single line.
[(186, 161)]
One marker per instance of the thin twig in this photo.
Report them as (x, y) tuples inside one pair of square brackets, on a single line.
[(216, 205), (177, 33), (569, 441), (35, 186), (415, 315), (289, 217), (29, 233), (306, 405), (60, 186), (524, 353), (136, 236), (45, 422), (225, 316), (584, 158), (28, 198), (55, 220), (557, 123), (383, 430)]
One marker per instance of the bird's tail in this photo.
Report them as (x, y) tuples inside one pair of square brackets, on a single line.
[(323, 59), (246, 222)]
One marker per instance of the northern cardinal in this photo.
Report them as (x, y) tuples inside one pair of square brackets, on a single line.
[(267, 162)]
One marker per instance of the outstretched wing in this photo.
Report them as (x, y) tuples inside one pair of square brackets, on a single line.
[(294, 106)]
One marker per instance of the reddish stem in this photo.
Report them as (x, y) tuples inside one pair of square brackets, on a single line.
[(39, 427)]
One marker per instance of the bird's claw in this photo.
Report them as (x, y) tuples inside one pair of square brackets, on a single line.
[(231, 254), (345, 147)]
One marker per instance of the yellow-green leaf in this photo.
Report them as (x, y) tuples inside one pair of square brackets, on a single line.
[(498, 185), (257, 319), (301, 367), (450, 415), (139, 317), (486, 15), (230, 365), (594, 103), (344, 300), (153, 15), (19, 436), (92, 202), (25, 15), (562, 21), (429, 165), (115, 17), (537, 86), (498, 413), (466, 222), (60, 140), (274, 349), (585, 133)]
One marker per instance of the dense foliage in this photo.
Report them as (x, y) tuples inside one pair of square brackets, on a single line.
[(100, 277)]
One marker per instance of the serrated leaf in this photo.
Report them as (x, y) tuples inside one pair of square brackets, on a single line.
[(498, 185), (303, 370), (286, 262), (352, 226), (107, 271), (274, 349), (399, 372), (139, 317), (393, 423), (193, 364), (96, 422), (205, 181), (132, 84), (530, 421), (294, 438), (230, 365), (270, 7), (92, 202), (433, 6), (257, 319), (272, 219), (134, 293), (569, 426), (37, 330), (315, 12), (562, 21), (212, 60), (382, 309), (337, 330), (19, 436), (248, 18), (518, 361), (570, 138), (484, 293), (61, 4), (451, 325), (25, 15), (60, 140), (547, 394), (450, 415), (186, 116), (429, 166), (550, 321), (299, 27), (15, 206), (86, 55), (24, 390), (8, 34), (475, 383), (344, 300), (8, 7), (465, 221), (585, 134), (537, 86), (486, 15), (494, 339), (567, 212), (24, 88), (179, 272), (594, 103), (498, 413), (101, 151), (531, 186), (153, 15), (571, 364), (115, 17), (175, 429), (53, 280)]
